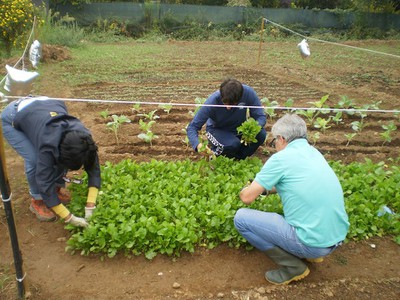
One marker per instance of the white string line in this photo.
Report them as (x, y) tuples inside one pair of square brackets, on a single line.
[(332, 43), (26, 47), (348, 110)]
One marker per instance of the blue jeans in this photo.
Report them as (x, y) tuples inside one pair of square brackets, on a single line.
[(23, 146), (265, 230), (231, 145)]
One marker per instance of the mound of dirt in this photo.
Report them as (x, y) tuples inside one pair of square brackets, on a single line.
[(53, 53)]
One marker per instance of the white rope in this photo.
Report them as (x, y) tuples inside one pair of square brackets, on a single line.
[(353, 110), (332, 43)]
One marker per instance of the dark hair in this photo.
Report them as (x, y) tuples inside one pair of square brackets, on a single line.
[(77, 149), (231, 91)]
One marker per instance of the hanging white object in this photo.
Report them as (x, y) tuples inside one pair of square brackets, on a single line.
[(304, 49), (35, 53), (19, 82)]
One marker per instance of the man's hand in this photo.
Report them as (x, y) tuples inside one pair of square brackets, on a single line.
[(205, 151), (76, 221), (89, 212)]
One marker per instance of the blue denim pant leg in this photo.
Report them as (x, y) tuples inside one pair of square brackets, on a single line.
[(265, 230), (22, 146)]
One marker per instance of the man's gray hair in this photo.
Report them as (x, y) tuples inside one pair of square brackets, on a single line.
[(290, 127)]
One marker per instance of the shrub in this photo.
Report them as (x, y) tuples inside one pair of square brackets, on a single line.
[(16, 19)]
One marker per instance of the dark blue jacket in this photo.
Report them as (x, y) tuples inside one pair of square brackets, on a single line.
[(44, 122), (222, 118)]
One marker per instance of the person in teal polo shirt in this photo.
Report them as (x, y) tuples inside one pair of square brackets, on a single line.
[(314, 221)]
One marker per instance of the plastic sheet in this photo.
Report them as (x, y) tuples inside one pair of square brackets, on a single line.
[(19, 82), (304, 49), (35, 53)]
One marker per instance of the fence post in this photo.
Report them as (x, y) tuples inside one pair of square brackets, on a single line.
[(261, 36), (6, 197)]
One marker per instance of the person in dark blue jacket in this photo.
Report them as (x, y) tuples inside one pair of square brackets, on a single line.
[(222, 118), (51, 142)]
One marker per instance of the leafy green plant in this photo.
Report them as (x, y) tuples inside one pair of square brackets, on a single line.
[(289, 102), (322, 123), (168, 207), (350, 137), (185, 140), (115, 125), (308, 114), (248, 131), (148, 136), (338, 117), (166, 107), (346, 103), (104, 114), (135, 107), (150, 116), (357, 126), (198, 101), (387, 134), (269, 107), (315, 137)]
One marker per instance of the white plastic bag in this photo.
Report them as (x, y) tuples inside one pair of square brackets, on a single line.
[(35, 53), (304, 49), (19, 82)]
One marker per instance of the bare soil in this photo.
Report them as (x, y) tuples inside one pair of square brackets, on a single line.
[(357, 270)]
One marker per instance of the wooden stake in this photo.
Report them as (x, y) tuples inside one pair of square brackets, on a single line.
[(261, 37)]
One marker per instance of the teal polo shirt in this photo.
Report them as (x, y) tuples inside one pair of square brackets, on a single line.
[(311, 194)]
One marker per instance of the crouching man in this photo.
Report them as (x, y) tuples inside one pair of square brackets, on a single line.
[(314, 221)]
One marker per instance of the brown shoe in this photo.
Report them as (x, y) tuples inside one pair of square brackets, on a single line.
[(41, 211), (63, 195)]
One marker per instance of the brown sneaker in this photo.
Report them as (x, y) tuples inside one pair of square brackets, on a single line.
[(63, 195), (41, 211)]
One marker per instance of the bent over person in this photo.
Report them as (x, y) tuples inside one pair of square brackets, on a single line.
[(314, 221), (51, 142), (222, 115)]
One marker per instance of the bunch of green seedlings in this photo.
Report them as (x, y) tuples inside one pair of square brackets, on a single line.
[(161, 207)]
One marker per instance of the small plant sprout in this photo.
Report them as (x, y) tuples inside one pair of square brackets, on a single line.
[(289, 102), (166, 107), (104, 114), (387, 134), (338, 117), (186, 139), (114, 125), (350, 137), (322, 123), (150, 116), (135, 107), (269, 109), (248, 131), (309, 114), (357, 126), (198, 101), (147, 135), (315, 137), (321, 107), (346, 103)]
